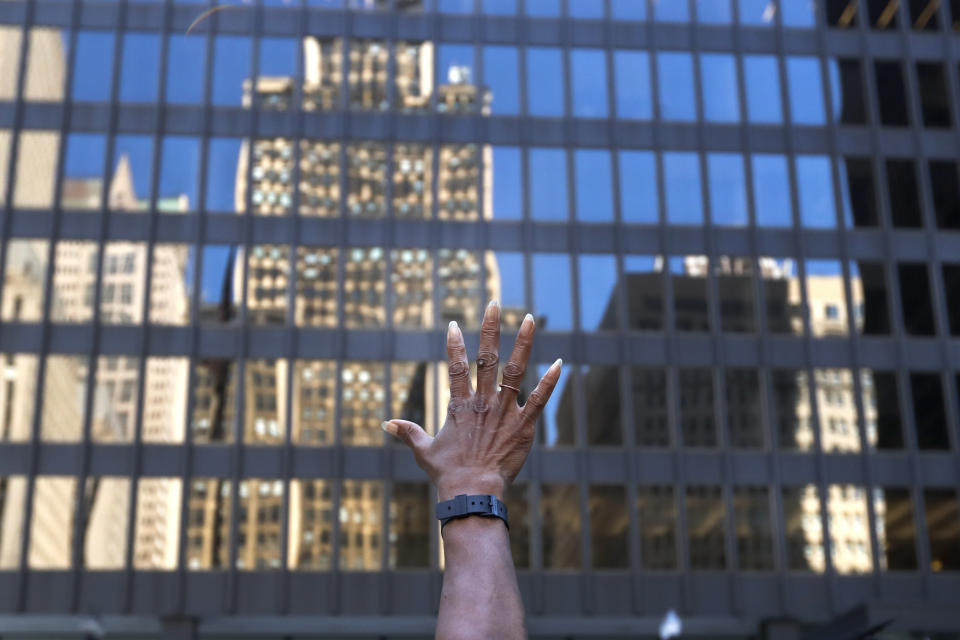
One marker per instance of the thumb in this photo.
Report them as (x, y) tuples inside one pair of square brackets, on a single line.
[(409, 432)]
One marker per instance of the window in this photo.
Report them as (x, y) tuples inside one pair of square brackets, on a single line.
[(114, 397), (588, 68), (803, 529), (164, 399), (671, 12), (849, 526), (691, 306), (599, 298), (548, 190), (171, 283), (675, 73), (705, 526), (905, 204), (632, 80), (924, 15), (601, 390), (798, 14), (36, 169), (721, 99), (858, 190), (410, 521), (728, 189), (842, 14), (231, 66), (186, 56), (24, 280), (915, 302), (771, 190), (683, 190), (518, 506), (764, 104), (881, 405), (552, 300), (513, 288), (628, 10), (361, 506), (838, 420), (697, 421), (934, 103), (657, 517), (929, 412), (362, 402), (639, 202), (815, 183), (545, 86), (543, 8), (557, 422), (94, 56), (754, 530), (107, 519), (759, 13), (310, 541), (213, 386), (51, 523), (560, 526), (884, 14), (714, 12), (609, 548), (156, 538), (806, 91), (643, 282), (501, 74), (594, 186), (946, 193), (83, 172), (951, 286), (791, 409), (507, 183), (745, 421), (847, 91), (891, 94), (896, 535), (942, 514), (868, 284), (650, 399)]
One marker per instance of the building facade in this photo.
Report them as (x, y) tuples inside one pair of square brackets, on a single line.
[(233, 240)]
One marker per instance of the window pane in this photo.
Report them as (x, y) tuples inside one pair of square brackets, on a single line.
[(728, 189), (588, 68), (208, 524), (849, 529), (363, 306), (316, 282), (759, 12), (705, 524), (771, 190), (36, 169), (858, 190), (558, 428), (815, 182), (231, 67), (791, 409), (115, 399), (455, 64), (671, 11), (518, 507), (270, 194), (24, 280), (915, 299), (186, 58), (10, 37), (179, 170), (629, 9), (594, 187), (51, 523), (171, 283), (319, 178), (46, 65), (132, 175), (803, 529), (891, 94), (122, 278), (714, 12), (764, 105), (798, 14), (560, 522), (683, 191), (411, 513), (689, 276), (92, 66), (217, 285), (552, 307), (361, 506), (259, 524), (608, 527), (639, 202), (751, 512), (156, 538), (735, 288), (64, 398), (315, 391), (842, 14), (826, 299), (214, 385), (545, 88), (806, 91), (598, 297), (265, 394), (310, 542), (507, 176), (924, 15), (543, 7), (140, 68), (643, 281), (675, 71), (601, 388), (508, 284), (107, 501), (871, 306), (882, 407), (745, 409), (165, 400), (839, 431), (929, 412), (501, 75), (934, 100), (883, 14), (500, 7), (82, 175), (461, 288), (847, 91), (268, 272), (905, 208), (943, 528), (223, 159), (456, 6), (657, 513), (17, 397), (697, 424), (411, 291), (632, 79), (896, 535), (362, 401), (721, 99), (946, 193), (548, 184), (951, 286)]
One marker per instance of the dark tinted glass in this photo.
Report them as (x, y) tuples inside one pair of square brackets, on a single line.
[(518, 508), (905, 207), (754, 530), (744, 409), (943, 528), (896, 534), (410, 521), (791, 409), (650, 413), (925, 15), (869, 288), (697, 421), (884, 14), (929, 413), (849, 93), (657, 517), (705, 526), (946, 193), (951, 286), (609, 527), (689, 275), (560, 526), (841, 14), (891, 94), (934, 100), (735, 287), (915, 299), (643, 281), (881, 403), (803, 529), (601, 387), (859, 192)]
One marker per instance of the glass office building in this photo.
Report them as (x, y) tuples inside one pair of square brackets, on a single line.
[(233, 236)]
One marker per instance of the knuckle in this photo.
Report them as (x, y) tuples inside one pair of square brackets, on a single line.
[(457, 406), (480, 404), (459, 369), (514, 370), (487, 359)]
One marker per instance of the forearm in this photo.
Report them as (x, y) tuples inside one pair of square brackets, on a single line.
[(480, 597)]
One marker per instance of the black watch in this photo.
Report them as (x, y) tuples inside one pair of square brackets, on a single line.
[(463, 505)]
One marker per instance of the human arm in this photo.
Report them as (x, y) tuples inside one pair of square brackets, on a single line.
[(480, 450)]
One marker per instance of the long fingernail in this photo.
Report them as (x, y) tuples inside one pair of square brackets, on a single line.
[(558, 363), (389, 427), (494, 303), (453, 327), (527, 318)]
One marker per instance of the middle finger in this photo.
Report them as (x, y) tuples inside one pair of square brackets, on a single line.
[(488, 357)]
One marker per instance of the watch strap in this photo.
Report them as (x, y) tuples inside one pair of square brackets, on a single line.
[(461, 506)]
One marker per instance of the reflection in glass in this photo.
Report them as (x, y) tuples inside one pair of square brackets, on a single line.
[(896, 535), (697, 425), (718, 74), (609, 524), (208, 524), (705, 525), (518, 508), (362, 403), (316, 283), (115, 399), (106, 503), (764, 104), (507, 268), (156, 538), (219, 276), (815, 185), (17, 397), (689, 276), (548, 184), (231, 68), (735, 288), (132, 177), (64, 398), (260, 520), (36, 169), (714, 11), (551, 292), (310, 542), (924, 14), (507, 187), (314, 397), (361, 505), (868, 285), (638, 187), (92, 66), (798, 14), (319, 178), (51, 523), (760, 12), (683, 191), (83, 166), (891, 93), (139, 67), (593, 185), (792, 409), (226, 175), (165, 400), (643, 282), (13, 497), (826, 300), (24, 280), (186, 63), (214, 385), (265, 397), (122, 280), (849, 525), (754, 530), (942, 513), (502, 77), (858, 190), (598, 293), (179, 172), (744, 409), (10, 41), (847, 91), (728, 189), (584, 9), (905, 208), (771, 191), (883, 14), (782, 290), (411, 513), (631, 70), (171, 283), (588, 71), (560, 526), (364, 282), (934, 100), (268, 272), (545, 88), (806, 91), (915, 301), (5, 140), (657, 518), (651, 426), (411, 293), (558, 421), (881, 406), (601, 388), (839, 430), (543, 8), (675, 74), (460, 287), (951, 287), (628, 10), (803, 529), (929, 412), (46, 65)]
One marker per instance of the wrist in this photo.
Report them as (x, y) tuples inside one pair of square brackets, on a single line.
[(471, 485)]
